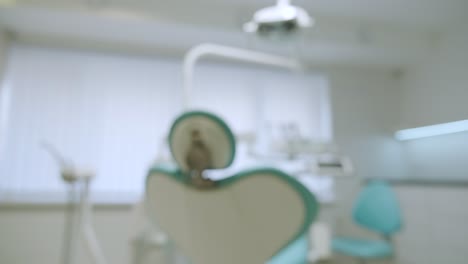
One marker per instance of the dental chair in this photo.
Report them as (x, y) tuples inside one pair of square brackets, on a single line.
[(256, 216)]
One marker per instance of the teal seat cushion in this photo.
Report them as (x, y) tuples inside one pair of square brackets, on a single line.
[(377, 209), (294, 253), (362, 248)]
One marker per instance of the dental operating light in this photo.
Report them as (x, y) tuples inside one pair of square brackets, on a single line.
[(278, 20), (431, 131)]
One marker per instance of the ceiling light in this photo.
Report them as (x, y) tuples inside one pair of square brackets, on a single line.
[(434, 130)]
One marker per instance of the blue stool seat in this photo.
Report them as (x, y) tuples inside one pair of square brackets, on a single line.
[(376, 209), (362, 248)]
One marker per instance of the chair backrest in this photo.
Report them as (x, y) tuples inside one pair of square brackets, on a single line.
[(377, 209), (216, 135), (248, 218)]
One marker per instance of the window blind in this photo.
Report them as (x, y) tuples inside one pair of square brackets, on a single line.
[(111, 112)]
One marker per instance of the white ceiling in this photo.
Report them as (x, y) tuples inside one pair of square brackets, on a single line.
[(421, 13), (426, 13), (374, 32)]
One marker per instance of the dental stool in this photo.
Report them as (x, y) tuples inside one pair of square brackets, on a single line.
[(376, 209), (253, 217)]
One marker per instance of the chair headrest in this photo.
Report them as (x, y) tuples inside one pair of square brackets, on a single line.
[(213, 132)]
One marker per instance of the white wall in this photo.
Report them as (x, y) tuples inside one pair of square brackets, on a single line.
[(4, 50), (4, 46), (365, 104), (34, 234), (434, 227), (436, 92), (436, 89)]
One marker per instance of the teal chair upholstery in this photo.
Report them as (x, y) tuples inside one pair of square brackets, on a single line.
[(295, 253), (376, 209)]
